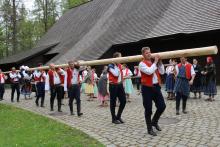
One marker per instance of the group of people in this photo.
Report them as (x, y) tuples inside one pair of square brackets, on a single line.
[(204, 81), (115, 84)]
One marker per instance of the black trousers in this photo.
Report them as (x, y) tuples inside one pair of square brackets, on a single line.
[(15, 86), (2, 91), (180, 96), (74, 93), (138, 82), (55, 91), (117, 90), (40, 91), (150, 94)]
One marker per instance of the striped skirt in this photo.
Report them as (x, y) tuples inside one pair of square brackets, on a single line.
[(210, 88), (170, 82)]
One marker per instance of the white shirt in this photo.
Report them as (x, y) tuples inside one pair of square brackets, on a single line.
[(75, 76), (192, 70), (84, 73), (38, 73), (116, 72), (169, 70), (56, 78), (129, 72), (15, 76), (151, 70), (26, 76), (2, 80)]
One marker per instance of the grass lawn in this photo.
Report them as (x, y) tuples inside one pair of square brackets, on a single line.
[(20, 128)]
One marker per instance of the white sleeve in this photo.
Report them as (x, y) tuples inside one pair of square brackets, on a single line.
[(161, 69), (65, 82), (12, 76), (147, 70), (167, 70), (135, 73), (19, 75), (192, 71), (177, 69), (130, 73), (114, 71), (47, 84), (26, 76)]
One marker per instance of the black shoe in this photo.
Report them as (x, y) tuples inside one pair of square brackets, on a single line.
[(12, 101), (60, 111), (51, 109), (71, 113), (18, 101), (120, 120), (80, 114), (116, 122), (37, 104), (184, 111), (1, 99), (177, 112), (157, 127), (42, 106), (151, 132)]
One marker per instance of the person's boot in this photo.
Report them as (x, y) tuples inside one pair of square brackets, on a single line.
[(151, 132), (36, 102), (184, 107), (177, 112), (79, 113)]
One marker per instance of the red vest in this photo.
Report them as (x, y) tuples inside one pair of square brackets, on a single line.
[(146, 79), (51, 77), (188, 70), (70, 76), (113, 79), (41, 78), (61, 76), (2, 76)]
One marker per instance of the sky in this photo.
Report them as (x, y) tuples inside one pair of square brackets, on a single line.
[(29, 4)]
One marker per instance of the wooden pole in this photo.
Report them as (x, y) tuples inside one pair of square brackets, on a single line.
[(211, 50)]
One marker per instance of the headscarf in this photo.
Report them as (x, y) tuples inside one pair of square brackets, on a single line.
[(209, 60)]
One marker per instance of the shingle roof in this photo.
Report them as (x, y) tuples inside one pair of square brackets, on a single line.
[(88, 31), (28, 54)]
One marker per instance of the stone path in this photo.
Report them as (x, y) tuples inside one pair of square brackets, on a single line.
[(200, 127)]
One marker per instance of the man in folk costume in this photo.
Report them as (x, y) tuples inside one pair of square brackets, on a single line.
[(72, 82), (151, 89), (56, 83), (15, 85), (185, 76), (116, 90), (40, 79), (3, 77)]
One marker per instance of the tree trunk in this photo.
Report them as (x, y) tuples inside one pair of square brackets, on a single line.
[(14, 27)]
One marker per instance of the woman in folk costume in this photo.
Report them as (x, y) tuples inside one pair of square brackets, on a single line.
[(170, 80), (89, 87), (102, 88), (3, 77), (40, 78), (210, 79), (95, 79), (128, 86), (84, 73), (15, 85), (27, 77), (197, 84), (137, 74), (185, 75)]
